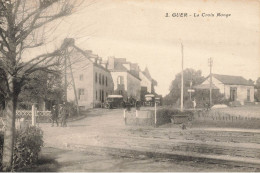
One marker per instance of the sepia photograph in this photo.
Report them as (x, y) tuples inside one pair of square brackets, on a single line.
[(129, 86)]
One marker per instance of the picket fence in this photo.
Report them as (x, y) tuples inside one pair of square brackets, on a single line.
[(216, 115)]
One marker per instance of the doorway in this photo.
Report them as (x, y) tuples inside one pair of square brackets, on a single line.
[(233, 93)]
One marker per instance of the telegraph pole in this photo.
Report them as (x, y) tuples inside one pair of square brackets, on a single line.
[(182, 78), (65, 75), (74, 86), (210, 61)]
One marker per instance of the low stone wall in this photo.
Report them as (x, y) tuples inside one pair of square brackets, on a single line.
[(139, 118)]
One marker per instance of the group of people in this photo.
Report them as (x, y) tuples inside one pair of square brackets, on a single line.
[(60, 111)]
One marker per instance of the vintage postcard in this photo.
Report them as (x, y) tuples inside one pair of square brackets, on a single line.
[(130, 85)]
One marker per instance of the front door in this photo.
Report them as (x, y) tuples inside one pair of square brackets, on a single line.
[(233, 93)]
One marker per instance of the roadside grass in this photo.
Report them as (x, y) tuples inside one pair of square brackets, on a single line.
[(244, 111), (246, 124), (247, 117)]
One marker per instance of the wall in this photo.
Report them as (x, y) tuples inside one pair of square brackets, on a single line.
[(120, 88), (225, 89), (107, 89), (86, 83), (145, 82), (217, 83), (133, 87), (241, 92)]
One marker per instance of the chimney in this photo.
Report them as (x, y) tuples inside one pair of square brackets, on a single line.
[(111, 63)]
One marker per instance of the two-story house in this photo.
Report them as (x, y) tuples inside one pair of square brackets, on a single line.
[(125, 76), (93, 81)]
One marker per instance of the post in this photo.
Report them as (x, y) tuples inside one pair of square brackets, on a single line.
[(124, 116), (155, 115), (74, 87), (65, 76), (190, 88), (210, 85), (34, 109), (182, 79)]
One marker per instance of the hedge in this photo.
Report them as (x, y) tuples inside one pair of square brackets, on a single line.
[(164, 115), (27, 147)]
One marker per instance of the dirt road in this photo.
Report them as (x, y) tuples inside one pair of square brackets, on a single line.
[(124, 148)]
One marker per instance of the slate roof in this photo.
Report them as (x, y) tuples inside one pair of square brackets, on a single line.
[(147, 73), (232, 80), (119, 67)]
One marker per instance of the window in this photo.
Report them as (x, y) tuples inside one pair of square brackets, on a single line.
[(106, 80), (96, 95), (248, 95), (120, 92), (81, 77), (120, 80), (96, 77), (81, 93), (102, 98), (103, 80), (100, 95), (99, 78)]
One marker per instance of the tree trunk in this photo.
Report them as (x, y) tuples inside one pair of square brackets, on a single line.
[(9, 136)]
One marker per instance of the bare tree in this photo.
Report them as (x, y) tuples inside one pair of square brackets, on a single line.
[(21, 21)]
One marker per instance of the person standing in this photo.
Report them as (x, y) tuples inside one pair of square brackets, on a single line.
[(64, 115), (54, 115), (194, 104)]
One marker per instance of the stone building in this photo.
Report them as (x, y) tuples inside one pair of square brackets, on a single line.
[(125, 76), (234, 88), (147, 83), (93, 81)]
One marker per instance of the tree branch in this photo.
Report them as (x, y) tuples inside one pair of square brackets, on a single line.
[(40, 9), (4, 39), (42, 68), (33, 46), (43, 56), (64, 11), (16, 8)]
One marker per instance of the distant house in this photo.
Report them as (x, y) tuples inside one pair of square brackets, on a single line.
[(93, 80), (147, 83), (234, 88), (125, 76)]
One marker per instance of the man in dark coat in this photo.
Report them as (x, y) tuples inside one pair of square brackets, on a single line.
[(64, 112), (54, 115)]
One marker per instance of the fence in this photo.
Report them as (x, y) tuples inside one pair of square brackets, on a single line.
[(221, 116), (217, 118), (33, 115)]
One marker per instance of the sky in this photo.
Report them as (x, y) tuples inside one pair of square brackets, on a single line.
[(140, 32)]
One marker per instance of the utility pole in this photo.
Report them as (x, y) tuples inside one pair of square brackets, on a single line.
[(190, 89), (210, 61), (74, 87), (182, 78), (65, 75)]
